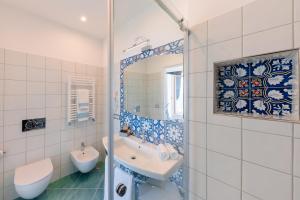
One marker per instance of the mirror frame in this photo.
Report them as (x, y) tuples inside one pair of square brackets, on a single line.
[(153, 126), (158, 131)]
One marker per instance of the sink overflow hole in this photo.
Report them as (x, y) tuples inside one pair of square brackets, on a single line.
[(133, 157)]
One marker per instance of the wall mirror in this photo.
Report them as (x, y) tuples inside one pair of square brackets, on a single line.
[(153, 87)]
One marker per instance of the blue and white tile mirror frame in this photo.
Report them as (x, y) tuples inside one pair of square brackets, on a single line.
[(265, 86), (157, 131)]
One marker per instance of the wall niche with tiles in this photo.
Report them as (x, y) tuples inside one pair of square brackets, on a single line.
[(264, 86)]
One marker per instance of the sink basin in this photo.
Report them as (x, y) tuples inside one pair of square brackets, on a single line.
[(142, 158)]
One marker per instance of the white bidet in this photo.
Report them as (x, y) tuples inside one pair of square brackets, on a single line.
[(85, 160)]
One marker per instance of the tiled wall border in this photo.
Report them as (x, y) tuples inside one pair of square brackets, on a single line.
[(292, 54), (157, 131)]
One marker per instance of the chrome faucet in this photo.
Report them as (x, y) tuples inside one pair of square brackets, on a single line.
[(82, 146)]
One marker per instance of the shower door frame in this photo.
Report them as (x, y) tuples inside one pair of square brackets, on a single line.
[(110, 74)]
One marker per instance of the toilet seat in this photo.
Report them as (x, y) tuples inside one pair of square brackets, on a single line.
[(33, 173)]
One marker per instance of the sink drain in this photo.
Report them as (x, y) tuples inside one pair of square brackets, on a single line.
[(133, 157)]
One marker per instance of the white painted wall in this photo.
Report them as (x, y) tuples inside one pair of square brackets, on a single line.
[(152, 23), (202, 10), (24, 32)]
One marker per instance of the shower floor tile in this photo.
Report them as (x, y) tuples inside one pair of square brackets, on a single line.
[(77, 186)]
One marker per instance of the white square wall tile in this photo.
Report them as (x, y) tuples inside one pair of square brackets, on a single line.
[(198, 60), (35, 155), (296, 188), (12, 87), (227, 50), (266, 183), (266, 126), (297, 35), (36, 61), (36, 74), (225, 27), (261, 15), (210, 85), (35, 101), (221, 119), (15, 102), (277, 39), (15, 146), (11, 162), (13, 132), (198, 36), (197, 84), (67, 147), (224, 168), (15, 58), (197, 134), (1, 55), (53, 150), (217, 191), (52, 138), (52, 63), (1, 118), (53, 76), (36, 87), (197, 158), (15, 72), (1, 71), (13, 117), (297, 131), (53, 101), (297, 10), (297, 157), (53, 88), (53, 113), (35, 142), (246, 196), (224, 140), (197, 183), (268, 150), (35, 113), (197, 109)]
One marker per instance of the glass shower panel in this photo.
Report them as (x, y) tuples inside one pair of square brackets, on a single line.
[(149, 95)]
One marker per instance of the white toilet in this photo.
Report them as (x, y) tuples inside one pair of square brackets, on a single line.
[(85, 160), (32, 179)]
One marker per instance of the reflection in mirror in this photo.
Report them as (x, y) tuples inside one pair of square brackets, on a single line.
[(153, 87)]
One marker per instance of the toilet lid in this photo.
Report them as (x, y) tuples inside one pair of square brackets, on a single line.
[(33, 172)]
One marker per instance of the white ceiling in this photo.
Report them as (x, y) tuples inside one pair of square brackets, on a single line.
[(68, 12)]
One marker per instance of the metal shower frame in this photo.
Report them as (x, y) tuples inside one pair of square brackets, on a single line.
[(110, 72)]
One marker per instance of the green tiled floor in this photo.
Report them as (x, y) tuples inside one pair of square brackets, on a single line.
[(77, 186)]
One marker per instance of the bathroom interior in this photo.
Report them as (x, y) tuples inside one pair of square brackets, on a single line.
[(149, 99)]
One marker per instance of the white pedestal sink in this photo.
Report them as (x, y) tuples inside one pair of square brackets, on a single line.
[(142, 158)]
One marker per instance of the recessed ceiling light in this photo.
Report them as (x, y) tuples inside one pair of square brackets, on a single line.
[(83, 18)]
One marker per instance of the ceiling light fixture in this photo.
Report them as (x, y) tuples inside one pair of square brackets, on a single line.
[(83, 18)]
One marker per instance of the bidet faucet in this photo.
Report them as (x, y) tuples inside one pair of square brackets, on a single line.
[(82, 146)]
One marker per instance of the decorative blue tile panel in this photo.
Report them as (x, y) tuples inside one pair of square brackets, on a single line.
[(157, 131), (263, 85)]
